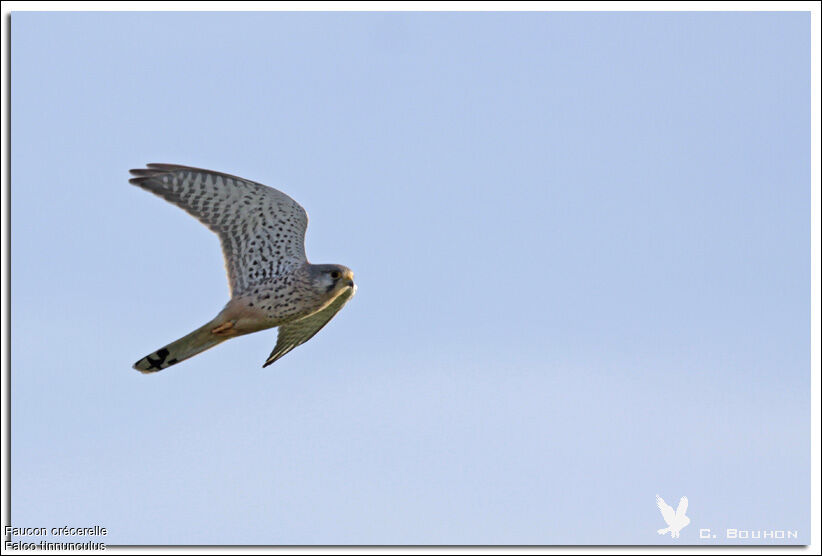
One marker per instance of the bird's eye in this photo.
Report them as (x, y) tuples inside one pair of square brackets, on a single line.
[(335, 275)]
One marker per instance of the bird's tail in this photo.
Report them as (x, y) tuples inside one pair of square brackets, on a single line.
[(180, 350), (663, 531)]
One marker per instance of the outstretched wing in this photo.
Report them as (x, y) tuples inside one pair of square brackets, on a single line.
[(292, 334), (682, 507), (261, 230), (667, 511)]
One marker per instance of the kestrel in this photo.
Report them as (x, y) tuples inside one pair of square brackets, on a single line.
[(262, 233)]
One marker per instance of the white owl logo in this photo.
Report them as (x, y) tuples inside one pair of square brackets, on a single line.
[(676, 520)]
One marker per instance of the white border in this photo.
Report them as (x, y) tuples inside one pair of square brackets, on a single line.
[(816, 227), (511, 5), (813, 7)]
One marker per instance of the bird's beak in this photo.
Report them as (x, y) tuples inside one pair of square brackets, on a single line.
[(349, 278)]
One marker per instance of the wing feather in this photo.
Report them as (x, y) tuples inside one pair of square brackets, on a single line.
[(293, 334), (261, 229)]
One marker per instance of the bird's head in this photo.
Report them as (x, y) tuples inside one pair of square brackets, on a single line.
[(331, 279)]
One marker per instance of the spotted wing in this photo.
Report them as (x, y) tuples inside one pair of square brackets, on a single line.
[(261, 230), (300, 331)]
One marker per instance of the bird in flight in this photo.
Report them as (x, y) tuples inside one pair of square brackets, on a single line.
[(262, 233), (676, 520)]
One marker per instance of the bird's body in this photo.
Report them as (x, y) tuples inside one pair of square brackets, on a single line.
[(262, 232)]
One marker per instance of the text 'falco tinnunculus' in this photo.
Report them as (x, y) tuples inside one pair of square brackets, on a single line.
[(262, 232)]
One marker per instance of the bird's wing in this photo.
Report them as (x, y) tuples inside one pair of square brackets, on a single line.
[(682, 507), (667, 511), (261, 230), (292, 334)]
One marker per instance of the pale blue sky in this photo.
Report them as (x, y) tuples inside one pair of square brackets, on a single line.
[(582, 249)]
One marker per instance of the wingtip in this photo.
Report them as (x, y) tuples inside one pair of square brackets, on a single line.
[(155, 168), (142, 172), (152, 170), (166, 167)]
